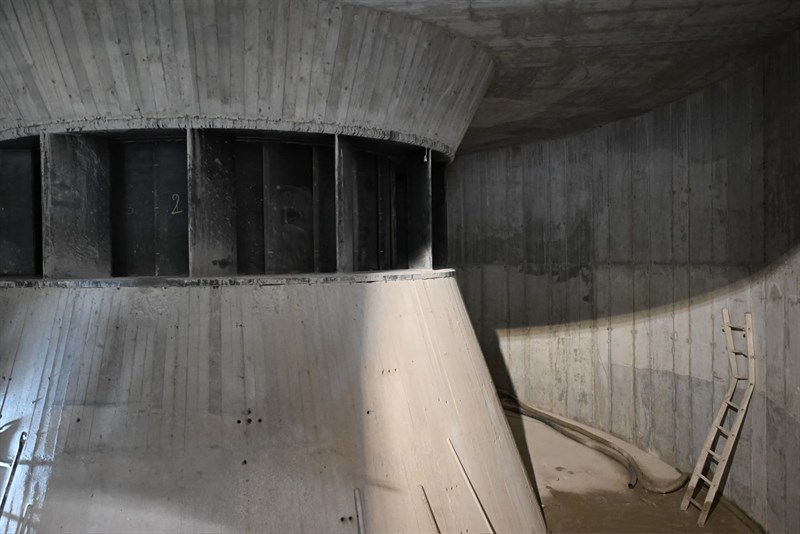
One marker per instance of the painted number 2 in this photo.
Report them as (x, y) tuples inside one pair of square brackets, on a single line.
[(176, 210)]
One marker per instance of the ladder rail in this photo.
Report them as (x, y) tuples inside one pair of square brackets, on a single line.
[(699, 467), (726, 319), (735, 429), (751, 349), (731, 434)]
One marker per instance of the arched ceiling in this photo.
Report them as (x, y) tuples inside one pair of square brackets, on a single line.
[(565, 65), (559, 65)]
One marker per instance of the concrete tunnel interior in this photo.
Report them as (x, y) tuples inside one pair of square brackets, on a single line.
[(367, 265)]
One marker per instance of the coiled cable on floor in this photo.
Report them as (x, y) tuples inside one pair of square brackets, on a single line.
[(596, 442)]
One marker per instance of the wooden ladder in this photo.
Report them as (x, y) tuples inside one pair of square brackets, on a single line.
[(713, 463)]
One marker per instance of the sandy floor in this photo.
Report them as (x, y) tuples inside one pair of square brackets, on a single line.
[(584, 491)]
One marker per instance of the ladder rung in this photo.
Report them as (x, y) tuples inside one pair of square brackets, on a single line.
[(714, 455), (740, 377), (724, 430), (740, 353), (733, 405), (696, 503), (704, 479), (735, 328)]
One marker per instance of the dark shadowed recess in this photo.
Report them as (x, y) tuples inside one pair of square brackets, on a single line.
[(20, 208), (148, 204), (172, 202)]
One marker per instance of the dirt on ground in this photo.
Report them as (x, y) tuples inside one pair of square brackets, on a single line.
[(582, 490)]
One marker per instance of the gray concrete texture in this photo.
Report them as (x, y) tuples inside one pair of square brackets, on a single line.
[(300, 65), (315, 404), (566, 65), (595, 268), (562, 65)]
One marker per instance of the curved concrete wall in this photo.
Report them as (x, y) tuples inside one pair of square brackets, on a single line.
[(595, 268), (271, 405), (300, 65)]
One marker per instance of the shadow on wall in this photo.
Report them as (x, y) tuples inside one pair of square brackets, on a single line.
[(657, 377), (595, 268)]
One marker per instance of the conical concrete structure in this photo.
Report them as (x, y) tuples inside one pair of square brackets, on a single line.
[(357, 403)]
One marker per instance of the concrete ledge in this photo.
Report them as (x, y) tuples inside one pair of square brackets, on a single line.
[(104, 124), (264, 280)]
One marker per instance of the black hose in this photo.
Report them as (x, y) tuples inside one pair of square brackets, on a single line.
[(596, 442)]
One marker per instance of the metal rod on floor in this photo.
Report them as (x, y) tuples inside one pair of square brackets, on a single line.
[(472, 488), (359, 512)]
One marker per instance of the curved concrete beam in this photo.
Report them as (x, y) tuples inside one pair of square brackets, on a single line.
[(303, 65)]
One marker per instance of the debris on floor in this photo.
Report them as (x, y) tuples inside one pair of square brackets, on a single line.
[(582, 490)]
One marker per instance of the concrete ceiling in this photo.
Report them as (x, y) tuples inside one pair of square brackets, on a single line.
[(566, 65)]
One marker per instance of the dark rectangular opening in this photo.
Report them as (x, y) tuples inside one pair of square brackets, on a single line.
[(248, 161), (288, 208), (380, 207), (284, 200), (324, 209), (375, 204), (284, 206), (366, 213), (149, 221), (400, 220), (439, 214), (419, 236), (20, 208)]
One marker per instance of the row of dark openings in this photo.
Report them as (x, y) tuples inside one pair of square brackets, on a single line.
[(283, 191)]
